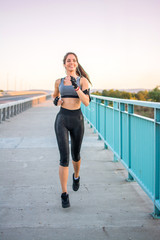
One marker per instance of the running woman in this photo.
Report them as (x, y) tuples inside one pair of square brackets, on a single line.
[(69, 92)]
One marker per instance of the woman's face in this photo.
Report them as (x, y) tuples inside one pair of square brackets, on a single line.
[(71, 63)]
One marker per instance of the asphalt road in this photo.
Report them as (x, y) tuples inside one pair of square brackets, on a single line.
[(16, 98)]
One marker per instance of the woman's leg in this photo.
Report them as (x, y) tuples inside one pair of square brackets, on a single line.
[(76, 166), (63, 175), (76, 141), (63, 145)]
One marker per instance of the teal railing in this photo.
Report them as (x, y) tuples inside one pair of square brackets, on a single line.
[(134, 139)]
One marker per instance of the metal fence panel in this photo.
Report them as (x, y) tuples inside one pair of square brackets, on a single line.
[(135, 140)]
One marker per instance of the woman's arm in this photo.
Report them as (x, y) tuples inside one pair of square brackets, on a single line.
[(56, 93), (84, 97)]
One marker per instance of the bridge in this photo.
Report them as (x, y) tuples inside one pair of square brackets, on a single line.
[(110, 204)]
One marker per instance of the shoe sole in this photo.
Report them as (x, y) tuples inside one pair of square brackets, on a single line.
[(66, 206), (75, 189)]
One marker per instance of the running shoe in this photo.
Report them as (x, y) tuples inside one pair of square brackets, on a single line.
[(76, 183), (65, 200)]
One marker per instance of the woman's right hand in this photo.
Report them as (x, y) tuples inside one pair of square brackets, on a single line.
[(60, 102), (57, 101)]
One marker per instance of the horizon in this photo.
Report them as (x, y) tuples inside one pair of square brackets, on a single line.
[(92, 89)]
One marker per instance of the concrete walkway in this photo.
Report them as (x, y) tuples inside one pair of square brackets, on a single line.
[(105, 207)]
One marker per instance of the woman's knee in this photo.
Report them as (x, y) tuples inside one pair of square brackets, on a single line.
[(76, 157), (64, 162)]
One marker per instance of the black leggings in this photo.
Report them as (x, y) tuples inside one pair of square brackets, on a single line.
[(69, 121)]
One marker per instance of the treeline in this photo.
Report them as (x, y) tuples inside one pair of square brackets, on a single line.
[(152, 95)]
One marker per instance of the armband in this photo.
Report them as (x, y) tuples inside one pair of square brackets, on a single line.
[(56, 101), (87, 92)]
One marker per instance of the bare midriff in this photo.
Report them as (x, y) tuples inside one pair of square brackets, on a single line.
[(71, 103)]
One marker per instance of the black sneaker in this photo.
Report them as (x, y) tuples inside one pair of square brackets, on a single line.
[(76, 183), (65, 200)]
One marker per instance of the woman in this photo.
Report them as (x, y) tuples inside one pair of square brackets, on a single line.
[(69, 93)]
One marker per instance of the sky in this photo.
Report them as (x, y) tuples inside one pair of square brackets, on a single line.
[(117, 42)]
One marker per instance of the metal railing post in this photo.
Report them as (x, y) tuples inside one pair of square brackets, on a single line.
[(115, 107), (98, 117), (130, 111), (4, 114), (156, 213), (121, 109), (105, 104)]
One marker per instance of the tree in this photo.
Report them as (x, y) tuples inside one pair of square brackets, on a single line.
[(126, 95), (96, 93), (155, 94), (105, 93)]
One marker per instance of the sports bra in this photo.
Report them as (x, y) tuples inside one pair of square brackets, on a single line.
[(67, 91)]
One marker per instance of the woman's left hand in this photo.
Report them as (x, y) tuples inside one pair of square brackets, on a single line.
[(74, 82)]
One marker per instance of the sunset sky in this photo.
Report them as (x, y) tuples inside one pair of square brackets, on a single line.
[(117, 42)]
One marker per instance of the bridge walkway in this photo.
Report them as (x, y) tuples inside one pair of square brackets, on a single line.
[(105, 207)]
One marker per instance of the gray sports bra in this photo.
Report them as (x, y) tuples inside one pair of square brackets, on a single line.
[(68, 91)]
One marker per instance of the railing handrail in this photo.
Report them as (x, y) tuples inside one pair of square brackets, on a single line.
[(9, 104), (11, 109), (128, 101)]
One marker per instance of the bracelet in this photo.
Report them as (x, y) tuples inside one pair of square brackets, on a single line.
[(77, 89)]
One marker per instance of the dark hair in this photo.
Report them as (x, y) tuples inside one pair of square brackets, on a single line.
[(79, 71)]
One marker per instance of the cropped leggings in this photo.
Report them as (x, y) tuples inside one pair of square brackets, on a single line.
[(69, 121)]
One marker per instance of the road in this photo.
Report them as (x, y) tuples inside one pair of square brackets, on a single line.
[(16, 98)]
